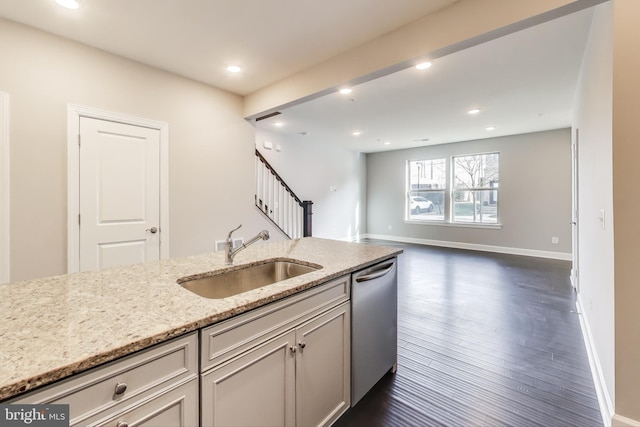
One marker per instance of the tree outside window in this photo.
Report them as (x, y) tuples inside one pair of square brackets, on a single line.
[(475, 188)]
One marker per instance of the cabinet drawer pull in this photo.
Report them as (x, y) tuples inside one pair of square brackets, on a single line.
[(122, 424), (120, 389), (302, 345)]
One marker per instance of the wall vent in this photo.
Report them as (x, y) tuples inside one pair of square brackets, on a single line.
[(268, 116)]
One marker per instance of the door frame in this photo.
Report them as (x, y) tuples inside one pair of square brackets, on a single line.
[(4, 190), (575, 211), (74, 113)]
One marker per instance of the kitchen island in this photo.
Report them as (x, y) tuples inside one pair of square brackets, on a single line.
[(55, 327)]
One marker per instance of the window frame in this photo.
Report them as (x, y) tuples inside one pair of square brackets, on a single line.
[(409, 192), (448, 192), (490, 188)]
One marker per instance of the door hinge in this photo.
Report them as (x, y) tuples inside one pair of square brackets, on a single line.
[(78, 140), (78, 219)]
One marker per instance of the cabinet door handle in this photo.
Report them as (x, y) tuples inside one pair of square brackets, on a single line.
[(120, 388), (122, 424), (292, 349), (302, 345)]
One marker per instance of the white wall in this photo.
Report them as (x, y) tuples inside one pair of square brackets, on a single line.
[(534, 199), (310, 170), (593, 119), (211, 152)]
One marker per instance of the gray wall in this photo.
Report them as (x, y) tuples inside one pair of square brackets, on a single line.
[(534, 198), (593, 120)]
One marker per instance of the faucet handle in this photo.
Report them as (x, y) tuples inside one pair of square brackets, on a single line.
[(235, 229)]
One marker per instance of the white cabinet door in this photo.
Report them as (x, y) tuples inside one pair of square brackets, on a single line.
[(254, 389), (323, 368)]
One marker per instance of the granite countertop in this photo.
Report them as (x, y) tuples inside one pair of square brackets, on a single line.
[(54, 327)]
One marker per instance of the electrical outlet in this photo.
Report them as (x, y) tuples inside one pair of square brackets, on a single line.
[(238, 242), (219, 245), (555, 240)]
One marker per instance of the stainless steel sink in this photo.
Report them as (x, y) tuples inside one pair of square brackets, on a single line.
[(242, 279)]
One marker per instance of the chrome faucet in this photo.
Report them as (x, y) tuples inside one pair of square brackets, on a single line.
[(229, 252)]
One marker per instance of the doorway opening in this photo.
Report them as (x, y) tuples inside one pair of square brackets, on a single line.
[(4, 188)]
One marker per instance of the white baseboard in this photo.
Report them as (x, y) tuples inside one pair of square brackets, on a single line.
[(604, 399), (620, 421), (473, 246)]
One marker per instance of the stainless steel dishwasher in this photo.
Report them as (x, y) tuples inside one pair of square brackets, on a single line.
[(374, 326)]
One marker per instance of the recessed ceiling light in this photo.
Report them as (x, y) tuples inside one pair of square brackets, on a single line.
[(356, 133), (69, 4), (490, 128), (345, 91), (423, 65), (474, 111), (386, 143), (234, 69), (278, 124)]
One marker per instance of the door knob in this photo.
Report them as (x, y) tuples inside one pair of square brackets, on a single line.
[(152, 230)]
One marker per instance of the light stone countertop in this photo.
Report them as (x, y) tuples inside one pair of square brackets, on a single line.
[(54, 327)]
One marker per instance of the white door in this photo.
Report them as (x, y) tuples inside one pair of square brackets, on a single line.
[(4, 187), (119, 194)]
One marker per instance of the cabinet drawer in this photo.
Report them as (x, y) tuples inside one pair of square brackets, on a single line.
[(227, 339), (177, 407), (138, 375)]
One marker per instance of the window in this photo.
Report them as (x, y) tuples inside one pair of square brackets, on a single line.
[(427, 181), (469, 196), (475, 188)]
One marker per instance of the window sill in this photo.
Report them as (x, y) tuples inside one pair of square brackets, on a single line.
[(497, 226)]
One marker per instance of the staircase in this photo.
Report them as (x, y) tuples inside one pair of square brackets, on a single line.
[(279, 203)]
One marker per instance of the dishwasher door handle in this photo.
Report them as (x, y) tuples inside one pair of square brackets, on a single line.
[(376, 274)]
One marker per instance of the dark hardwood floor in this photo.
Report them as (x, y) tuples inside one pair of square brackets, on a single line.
[(483, 340)]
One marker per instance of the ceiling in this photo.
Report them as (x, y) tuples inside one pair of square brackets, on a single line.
[(269, 39), (523, 82)]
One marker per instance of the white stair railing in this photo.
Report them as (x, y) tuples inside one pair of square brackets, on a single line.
[(279, 203)]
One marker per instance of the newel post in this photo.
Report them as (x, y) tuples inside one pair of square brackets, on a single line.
[(307, 212)]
